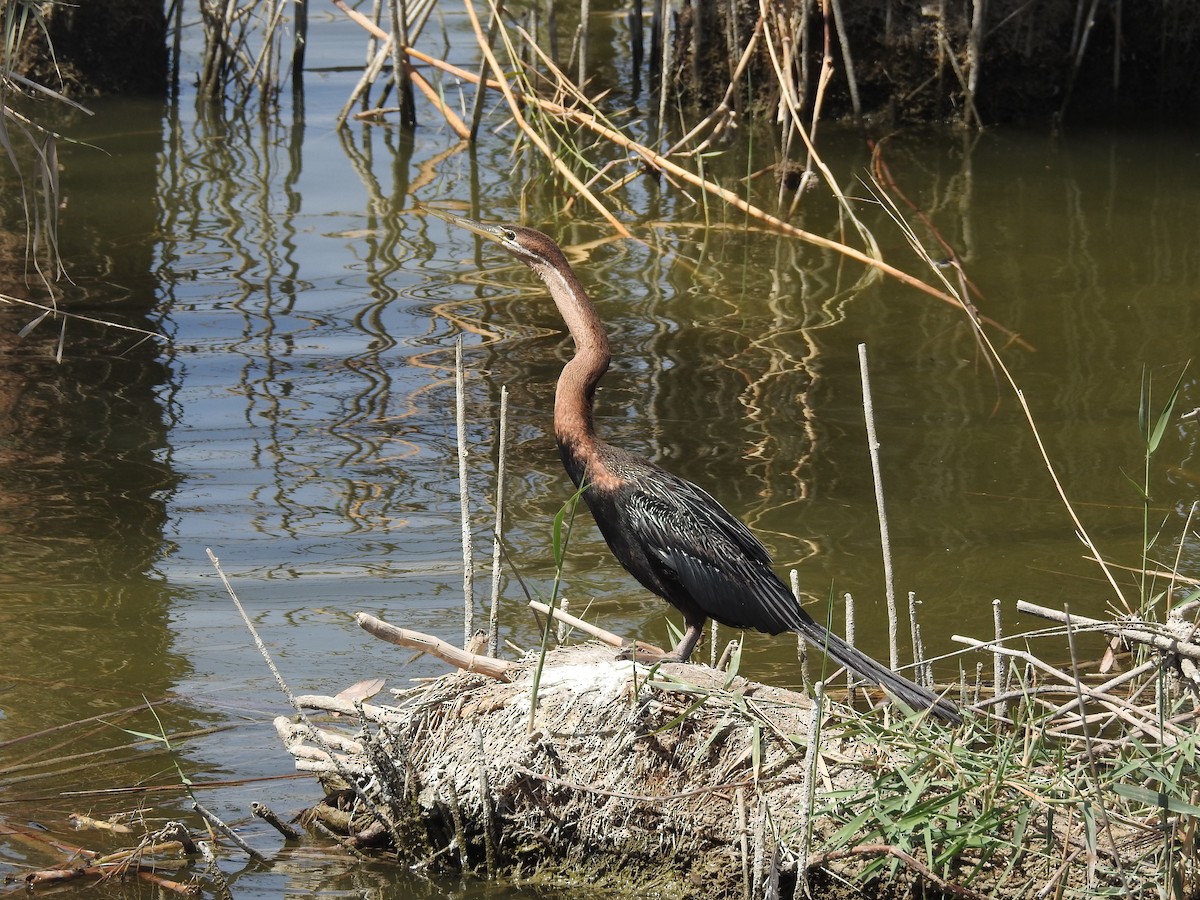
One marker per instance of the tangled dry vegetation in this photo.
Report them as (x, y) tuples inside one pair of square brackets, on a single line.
[(694, 781)]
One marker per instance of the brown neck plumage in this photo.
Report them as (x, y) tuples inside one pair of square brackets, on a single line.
[(573, 424)]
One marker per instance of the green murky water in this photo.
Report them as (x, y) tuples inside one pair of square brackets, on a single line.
[(298, 420)]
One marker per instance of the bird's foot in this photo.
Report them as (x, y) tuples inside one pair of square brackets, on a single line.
[(646, 654)]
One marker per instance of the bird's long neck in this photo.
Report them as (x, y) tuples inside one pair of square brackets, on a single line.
[(574, 426)]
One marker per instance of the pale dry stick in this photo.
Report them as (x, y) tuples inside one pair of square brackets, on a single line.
[(918, 660), (214, 871), (605, 637), (801, 644), (1093, 768), (53, 311), (464, 498), (1180, 611), (885, 537), (485, 801), (1163, 642), (370, 73), (585, 10), (493, 643), (215, 821), (564, 630), (721, 109), (999, 676), (1119, 707), (535, 138), (307, 722), (952, 58), (850, 636), (664, 74), (976, 323), (739, 803), (268, 815), (760, 847), (500, 669), (808, 788), (809, 137)]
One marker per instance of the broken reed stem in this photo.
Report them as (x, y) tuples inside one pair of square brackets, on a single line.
[(884, 535), (999, 675), (850, 635), (1142, 634), (493, 633), (464, 500), (808, 789), (400, 67), (214, 871), (739, 802), (264, 812), (564, 630), (214, 820), (801, 644), (485, 800), (1093, 767), (913, 630)]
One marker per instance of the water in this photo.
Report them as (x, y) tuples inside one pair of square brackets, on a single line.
[(297, 420)]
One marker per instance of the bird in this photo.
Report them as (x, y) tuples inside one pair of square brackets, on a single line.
[(667, 532)]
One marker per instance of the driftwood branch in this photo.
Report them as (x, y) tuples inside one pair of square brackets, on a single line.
[(1132, 630), (500, 669)]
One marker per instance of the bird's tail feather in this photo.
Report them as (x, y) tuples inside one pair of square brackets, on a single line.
[(862, 665)]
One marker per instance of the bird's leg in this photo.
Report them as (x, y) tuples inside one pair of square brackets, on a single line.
[(687, 643), (683, 650)]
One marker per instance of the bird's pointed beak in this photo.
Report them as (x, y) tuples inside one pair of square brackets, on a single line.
[(491, 232)]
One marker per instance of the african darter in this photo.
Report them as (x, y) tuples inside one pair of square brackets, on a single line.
[(671, 535)]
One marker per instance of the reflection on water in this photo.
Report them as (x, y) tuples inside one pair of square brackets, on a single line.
[(300, 420)]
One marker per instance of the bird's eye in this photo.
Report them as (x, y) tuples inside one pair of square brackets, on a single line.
[(509, 234)]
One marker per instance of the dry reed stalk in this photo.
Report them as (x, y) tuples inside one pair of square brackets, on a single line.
[(493, 641), (1117, 707), (464, 495), (536, 139), (999, 678), (885, 537), (1094, 769), (848, 598), (215, 821)]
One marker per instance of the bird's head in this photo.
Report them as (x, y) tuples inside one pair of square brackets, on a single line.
[(536, 250)]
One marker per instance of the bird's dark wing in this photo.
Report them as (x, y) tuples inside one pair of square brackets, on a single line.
[(723, 568)]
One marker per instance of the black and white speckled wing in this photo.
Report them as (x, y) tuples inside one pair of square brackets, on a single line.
[(723, 567)]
